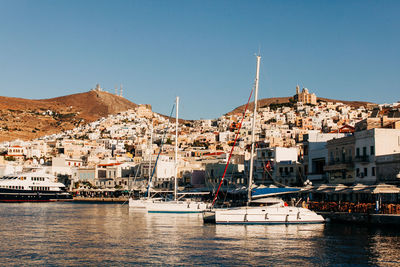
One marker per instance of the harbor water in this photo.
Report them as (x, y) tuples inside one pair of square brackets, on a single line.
[(72, 234)]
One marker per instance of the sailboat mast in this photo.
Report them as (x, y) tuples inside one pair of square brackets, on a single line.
[(176, 147), (253, 127), (150, 156)]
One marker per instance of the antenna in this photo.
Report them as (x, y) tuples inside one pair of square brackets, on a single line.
[(116, 90), (120, 90)]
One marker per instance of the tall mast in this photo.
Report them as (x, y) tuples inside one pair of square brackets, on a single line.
[(176, 147), (253, 127), (150, 156)]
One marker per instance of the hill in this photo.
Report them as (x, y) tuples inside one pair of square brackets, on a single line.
[(280, 100), (27, 119)]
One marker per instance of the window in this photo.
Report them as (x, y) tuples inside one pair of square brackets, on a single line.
[(358, 152), (373, 171), (291, 169), (365, 171), (372, 148), (357, 172), (364, 151)]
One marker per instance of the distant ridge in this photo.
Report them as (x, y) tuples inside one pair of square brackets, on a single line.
[(279, 100), (28, 119), (95, 104)]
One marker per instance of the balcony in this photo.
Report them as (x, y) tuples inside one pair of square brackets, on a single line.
[(362, 159), (343, 164)]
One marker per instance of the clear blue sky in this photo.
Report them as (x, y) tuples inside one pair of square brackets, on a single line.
[(202, 51)]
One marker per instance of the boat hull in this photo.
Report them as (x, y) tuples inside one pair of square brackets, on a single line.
[(159, 206), (33, 196), (266, 215)]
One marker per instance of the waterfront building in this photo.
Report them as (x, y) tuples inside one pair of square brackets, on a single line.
[(164, 172), (368, 145), (276, 165), (233, 176), (340, 166), (315, 154), (388, 168)]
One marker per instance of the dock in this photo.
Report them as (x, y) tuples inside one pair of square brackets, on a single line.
[(101, 199), (361, 218)]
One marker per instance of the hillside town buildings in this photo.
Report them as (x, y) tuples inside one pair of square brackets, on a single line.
[(303, 140)]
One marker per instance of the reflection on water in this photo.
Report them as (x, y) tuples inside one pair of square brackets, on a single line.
[(108, 234)]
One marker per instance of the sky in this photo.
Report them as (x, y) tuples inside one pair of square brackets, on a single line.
[(202, 51)]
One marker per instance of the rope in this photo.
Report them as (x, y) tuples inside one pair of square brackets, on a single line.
[(234, 143)]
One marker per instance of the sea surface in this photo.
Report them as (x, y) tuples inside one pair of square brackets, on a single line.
[(72, 234)]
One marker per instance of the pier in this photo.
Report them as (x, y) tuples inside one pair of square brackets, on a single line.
[(361, 218), (100, 199)]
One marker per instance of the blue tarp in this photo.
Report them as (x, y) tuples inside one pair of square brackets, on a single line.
[(271, 191)]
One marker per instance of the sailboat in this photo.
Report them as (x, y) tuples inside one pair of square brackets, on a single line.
[(178, 204), (260, 209)]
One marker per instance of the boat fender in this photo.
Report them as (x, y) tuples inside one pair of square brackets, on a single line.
[(298, 215)]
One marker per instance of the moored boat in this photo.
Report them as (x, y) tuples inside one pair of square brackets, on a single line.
[(163, 205), (32, 186), (267, 211), (260, 209)]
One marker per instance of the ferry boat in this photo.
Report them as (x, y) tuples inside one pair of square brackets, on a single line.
[(32, 186)]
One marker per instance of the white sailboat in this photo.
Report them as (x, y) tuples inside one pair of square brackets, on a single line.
[(263, 210), (177, 205)]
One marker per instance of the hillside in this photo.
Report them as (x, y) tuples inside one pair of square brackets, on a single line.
[(279, 100), (27, 119)]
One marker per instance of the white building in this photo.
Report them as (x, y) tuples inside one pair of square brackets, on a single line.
[(368, 145), (316, 153)]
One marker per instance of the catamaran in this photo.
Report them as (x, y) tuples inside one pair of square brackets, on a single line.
[(178, 204), (261, 209)]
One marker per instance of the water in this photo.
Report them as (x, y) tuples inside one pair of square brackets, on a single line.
[(72, 234)]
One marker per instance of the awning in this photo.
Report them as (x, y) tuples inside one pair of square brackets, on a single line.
[(386, 189)]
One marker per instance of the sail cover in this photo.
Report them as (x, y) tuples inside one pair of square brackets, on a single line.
[(272, 191)]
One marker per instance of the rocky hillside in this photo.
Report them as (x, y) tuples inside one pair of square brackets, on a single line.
[(27, 119)]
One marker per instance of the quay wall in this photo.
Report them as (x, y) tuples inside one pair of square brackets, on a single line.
[(101, 199), (362, 218)]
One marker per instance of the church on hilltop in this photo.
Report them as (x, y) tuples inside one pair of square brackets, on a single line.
[(304, 96)]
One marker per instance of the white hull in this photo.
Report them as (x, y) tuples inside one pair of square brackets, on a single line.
[(160, 206), (266, 215), (138, 203)]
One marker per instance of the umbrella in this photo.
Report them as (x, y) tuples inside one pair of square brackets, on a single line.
[(342, 189)]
